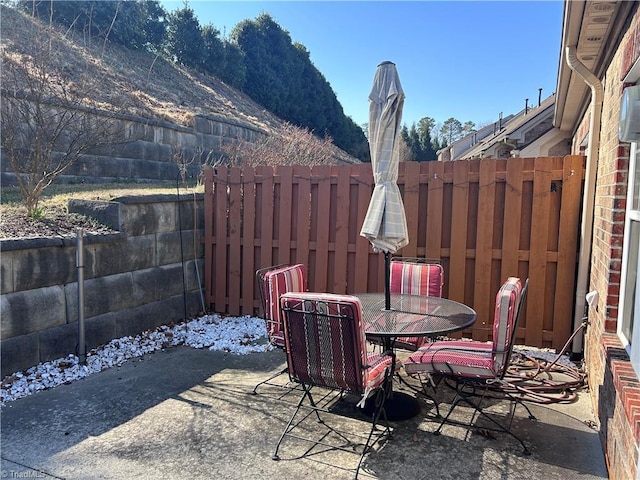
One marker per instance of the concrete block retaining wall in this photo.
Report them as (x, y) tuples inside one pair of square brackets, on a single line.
[(146, 153), (133, 280)]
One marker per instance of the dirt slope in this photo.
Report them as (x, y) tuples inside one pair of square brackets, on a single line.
[(149, 86)]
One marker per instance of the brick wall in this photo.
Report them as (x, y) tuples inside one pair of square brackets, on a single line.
[(614, 386)]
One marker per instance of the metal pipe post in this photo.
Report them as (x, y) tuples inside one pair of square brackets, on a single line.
[(387, 281), (82, 353)]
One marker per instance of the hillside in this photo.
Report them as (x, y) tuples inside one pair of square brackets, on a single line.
[(126, 81), (149, 87)]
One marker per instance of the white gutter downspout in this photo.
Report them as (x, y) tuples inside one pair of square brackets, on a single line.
[(593, 147)]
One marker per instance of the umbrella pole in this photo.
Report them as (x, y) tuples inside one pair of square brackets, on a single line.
[(387, 281)]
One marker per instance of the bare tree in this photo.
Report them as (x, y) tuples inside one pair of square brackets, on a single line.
[(49, 116), (405, 152)]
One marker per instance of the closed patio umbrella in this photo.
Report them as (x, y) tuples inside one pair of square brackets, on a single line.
[(385, 224)]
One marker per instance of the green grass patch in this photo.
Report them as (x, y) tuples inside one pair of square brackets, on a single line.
[(55, 197)]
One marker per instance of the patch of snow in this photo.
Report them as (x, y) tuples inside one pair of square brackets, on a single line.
[(238, 335), (546, 354)]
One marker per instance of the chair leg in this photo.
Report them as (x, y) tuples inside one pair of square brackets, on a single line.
[(296, 420), (379, 411), (281, 372), (525, 450), (288, 428), (505, 391), (517, 402), (465, 397), (454, 404)]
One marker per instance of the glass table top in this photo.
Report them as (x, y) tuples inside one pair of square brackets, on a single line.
[(414, 315)]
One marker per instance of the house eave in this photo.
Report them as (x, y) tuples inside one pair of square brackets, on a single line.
[(594, 28)]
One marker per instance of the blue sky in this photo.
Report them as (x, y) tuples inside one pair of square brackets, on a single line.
[(470, 60)]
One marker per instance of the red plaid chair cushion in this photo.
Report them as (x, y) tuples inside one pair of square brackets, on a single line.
[(456, 357), (470, 359), (507, 303), (277, 282), (416, 278)]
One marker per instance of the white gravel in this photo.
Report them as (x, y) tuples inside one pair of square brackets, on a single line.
[(238, 335)]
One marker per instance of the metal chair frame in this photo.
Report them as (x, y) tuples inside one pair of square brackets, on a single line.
[(467, 387), (263, 293), (298, 318), (466, 396), (407, 344)]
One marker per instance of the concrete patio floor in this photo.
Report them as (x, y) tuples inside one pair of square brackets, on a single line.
[(186, 413)]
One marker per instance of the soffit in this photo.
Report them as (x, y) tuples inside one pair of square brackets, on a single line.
[(593, 27)]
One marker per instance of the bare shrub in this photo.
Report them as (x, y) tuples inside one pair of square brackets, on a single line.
[(193, 159), (49, 115), (286, 145)]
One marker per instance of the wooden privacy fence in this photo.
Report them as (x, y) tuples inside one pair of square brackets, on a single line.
[(486, 220)]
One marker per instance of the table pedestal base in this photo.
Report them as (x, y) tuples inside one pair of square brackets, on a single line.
[(399, 406)]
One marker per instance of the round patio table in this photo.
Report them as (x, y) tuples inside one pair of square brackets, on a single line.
[(410, 316)]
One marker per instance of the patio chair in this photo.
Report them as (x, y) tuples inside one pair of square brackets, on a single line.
[(474, 366), (417, 276), (325, 345), (414, 276), (272, 282)]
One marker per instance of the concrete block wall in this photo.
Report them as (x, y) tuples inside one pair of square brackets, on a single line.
[(133, 280), (146, 153)]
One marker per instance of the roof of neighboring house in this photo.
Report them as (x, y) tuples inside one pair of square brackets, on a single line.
[(594, 28), (525, 127), (464, 144)]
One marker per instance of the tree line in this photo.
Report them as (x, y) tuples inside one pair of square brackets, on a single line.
[(423, 140), (258, 57)]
